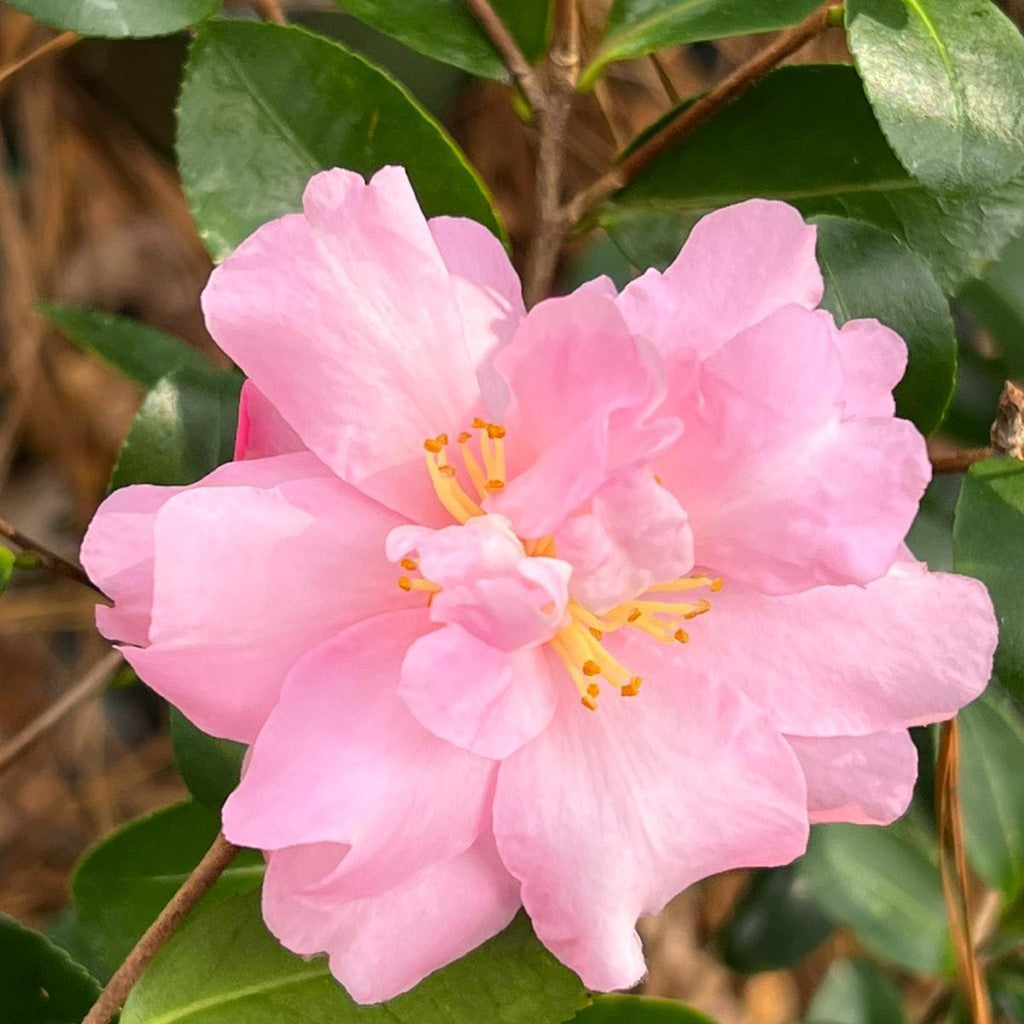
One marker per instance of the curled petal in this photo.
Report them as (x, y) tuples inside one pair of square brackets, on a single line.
[(867, 780), (371, 778), (607, 815), (383, 945)]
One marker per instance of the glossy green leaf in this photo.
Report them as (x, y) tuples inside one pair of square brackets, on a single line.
[(987, 544), (868, 273), (40, 983), (622, 1009), (117, 19), (807, 135), (7, 562), (946, 80), (244, 977), (184, 429), (992, 789), (996, 302), (884, 884), (209, 766), (264, 107), (855, 992), (121, 884), (775, 923), (447, 31), (141, 353), (636, 27)]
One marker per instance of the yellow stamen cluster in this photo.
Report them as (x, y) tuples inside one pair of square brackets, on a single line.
[(485, 468), (579, 642)]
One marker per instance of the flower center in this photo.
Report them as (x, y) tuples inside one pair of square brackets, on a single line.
[(580, 638)]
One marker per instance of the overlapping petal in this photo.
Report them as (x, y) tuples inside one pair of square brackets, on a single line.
[(371, 778), (867, 780), (908, 649), (375, 362), (607, 815), (382, 945), (247, 577), (582, 394)]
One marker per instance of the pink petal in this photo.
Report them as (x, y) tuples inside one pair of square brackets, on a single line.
[(376, 359), (383, 945), (867, 780), (738, 266), (782, 492), (581, 391), (635, 534), (262, 431), (908, 649), (608, 814), (247, 579), (342, 761), (488, 293), (873, 358), (117, 551), (484, 700)]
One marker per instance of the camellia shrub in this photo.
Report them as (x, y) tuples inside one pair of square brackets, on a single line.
[(495, 606)]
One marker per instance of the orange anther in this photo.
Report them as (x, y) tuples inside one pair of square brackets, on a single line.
[(409, 563), (593, 690), (464, 437), (405, 583), (495, 485), (682, 636), (591, 668), (495, 431)]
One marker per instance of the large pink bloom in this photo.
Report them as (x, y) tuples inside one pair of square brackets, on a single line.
[(453, 588)]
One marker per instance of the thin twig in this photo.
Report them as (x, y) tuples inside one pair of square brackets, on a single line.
[(953, 869), (553, 118), (663, 77), (731, 88), (89, 686), (52, 45), (206, 873), (960, 461), (47, 558), (270, 10), (514, 58)]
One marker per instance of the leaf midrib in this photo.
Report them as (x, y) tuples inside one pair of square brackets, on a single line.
[(221, 999)]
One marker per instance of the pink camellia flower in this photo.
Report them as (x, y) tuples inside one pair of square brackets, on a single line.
[(563, 609)]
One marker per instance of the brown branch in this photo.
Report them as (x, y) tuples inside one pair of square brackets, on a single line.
[(89, 686), (206, 873), (728, 90), (953, 869), (270, 10), (47, 558), (53, 45), (514, 58), (959, 461), (553, 118)]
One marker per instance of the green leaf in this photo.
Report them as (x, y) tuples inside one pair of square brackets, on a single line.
[(622, 1009), (884, 883), (807, 135), (636, 27), (224, 967), (992, 789), (122, 884), (209, 766), (264, 107), (7, 562), (775, 923), (868, 273), (987, 544), (40, 983), (447, 31), (141, 353), (855, 992), (117, 19), (946, 80), (184, 429)]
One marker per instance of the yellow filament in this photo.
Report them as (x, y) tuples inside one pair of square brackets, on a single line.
[(446, 485), (476, 474)]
